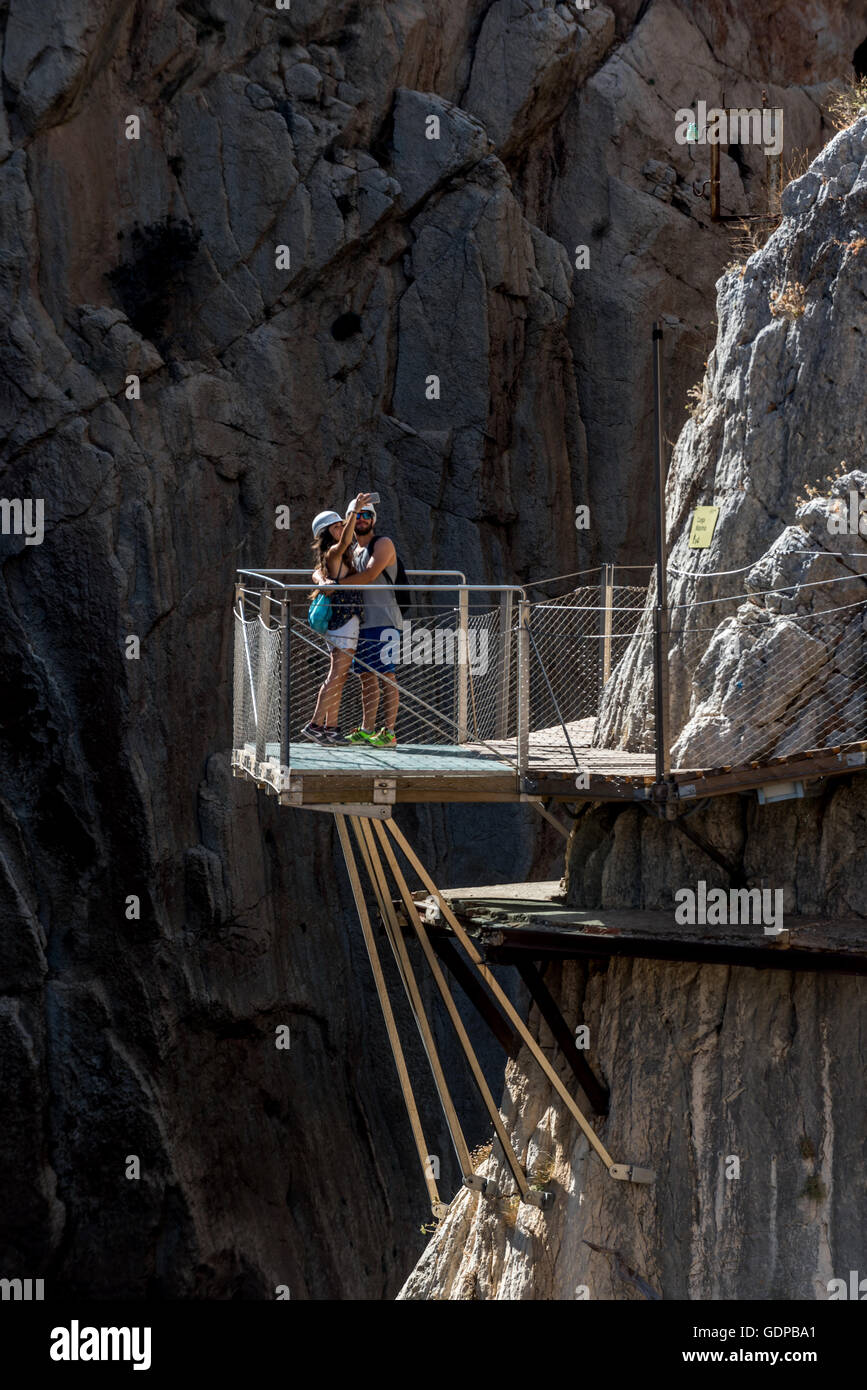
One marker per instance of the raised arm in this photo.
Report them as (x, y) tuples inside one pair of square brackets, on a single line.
[(384, 554), (335, 553)]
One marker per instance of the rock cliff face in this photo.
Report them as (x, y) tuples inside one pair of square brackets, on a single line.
[(169, 380), (706, 1064), (733, 1084), (779, 668)]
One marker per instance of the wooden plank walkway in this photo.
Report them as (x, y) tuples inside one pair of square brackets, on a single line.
[(357, 774), (516, 922)]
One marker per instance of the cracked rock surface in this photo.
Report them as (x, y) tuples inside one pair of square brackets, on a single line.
[(742, 1088), (169, 381)]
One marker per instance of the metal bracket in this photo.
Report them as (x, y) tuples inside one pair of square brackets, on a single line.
[(529, 786), (663, 794), (351, 808), (627, 1172), (543, 1200), (384, 789), (479, 1184)]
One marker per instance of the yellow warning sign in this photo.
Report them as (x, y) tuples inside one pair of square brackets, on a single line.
[(703, 526)]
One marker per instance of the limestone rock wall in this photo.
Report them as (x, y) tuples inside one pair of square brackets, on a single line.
[(773, 434), (705, 1064), (263, 387), (742, 1089)]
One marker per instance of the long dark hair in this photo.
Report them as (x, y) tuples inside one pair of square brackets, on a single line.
[(321, 545)]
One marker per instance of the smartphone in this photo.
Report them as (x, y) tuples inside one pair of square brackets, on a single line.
[(374, 497)]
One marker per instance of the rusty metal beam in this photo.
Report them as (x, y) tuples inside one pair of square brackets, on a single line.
[(476, 993), (595, 1091)]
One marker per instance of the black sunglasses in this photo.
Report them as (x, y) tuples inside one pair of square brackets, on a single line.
[(365, 516)]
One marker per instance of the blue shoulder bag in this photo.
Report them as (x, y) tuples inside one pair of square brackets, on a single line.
[(319, 613)]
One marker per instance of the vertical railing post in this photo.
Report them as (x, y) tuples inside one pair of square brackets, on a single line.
[(523, 748), (285, 708), (262, 673), (661, 616), (463, 663), (774, 162), (606, 615), (238, 738), (505, 671), (714, 184)]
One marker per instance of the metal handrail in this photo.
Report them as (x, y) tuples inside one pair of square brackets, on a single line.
[(270, 578), (455, 573)]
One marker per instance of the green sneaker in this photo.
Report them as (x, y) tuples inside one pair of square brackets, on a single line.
[(360, 736), (383, 738)]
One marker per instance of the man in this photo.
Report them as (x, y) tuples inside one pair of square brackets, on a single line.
[(375, 563)]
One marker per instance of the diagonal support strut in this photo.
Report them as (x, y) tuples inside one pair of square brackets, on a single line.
[(526, 1193), (625, 1172), (438, 1207), (373, 864)]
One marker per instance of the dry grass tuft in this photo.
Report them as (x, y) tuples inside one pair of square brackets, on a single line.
[(480, 1154), (698, 400), (846, 103), (796, 166), (823, 487), (788, 301), (749, 237), (542, 1171)]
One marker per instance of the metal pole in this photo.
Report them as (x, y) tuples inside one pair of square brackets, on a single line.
[(502, 726), (262, 673), (661, 625), (606, 605), (523, 742), (463, 663), (411, 909), (285, 709), (379, 883), (511, 1012), (774, 163)]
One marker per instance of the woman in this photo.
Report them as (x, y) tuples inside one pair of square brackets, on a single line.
[(333, 561)]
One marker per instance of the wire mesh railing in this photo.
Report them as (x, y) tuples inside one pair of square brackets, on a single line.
[(449, 676), (576, 642), (467, 670), (773, 669), (258, 706), (753, 675), (765, 683)]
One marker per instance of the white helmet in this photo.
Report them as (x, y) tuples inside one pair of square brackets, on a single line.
[(323, 520)]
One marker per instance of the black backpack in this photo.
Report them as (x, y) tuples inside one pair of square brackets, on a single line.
[(402, 594), (400, 583)]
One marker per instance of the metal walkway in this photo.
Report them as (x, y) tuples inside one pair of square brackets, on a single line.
[(513, 923), (602, 692), (590, 695), (507, 700)]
